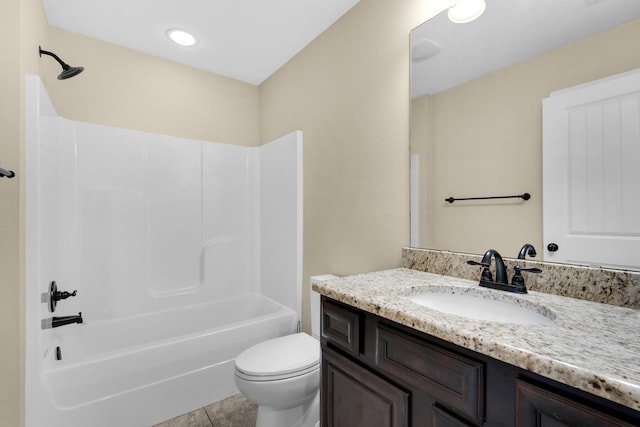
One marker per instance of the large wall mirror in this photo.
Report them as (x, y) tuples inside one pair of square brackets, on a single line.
[(476, 112)]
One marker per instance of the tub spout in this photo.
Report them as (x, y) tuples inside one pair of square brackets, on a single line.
[(55, 322)]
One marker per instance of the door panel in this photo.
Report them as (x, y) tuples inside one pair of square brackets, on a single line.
[(591, 178)]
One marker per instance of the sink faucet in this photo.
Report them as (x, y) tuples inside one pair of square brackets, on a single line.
[(501, 282), (527, 249), (501, 270)]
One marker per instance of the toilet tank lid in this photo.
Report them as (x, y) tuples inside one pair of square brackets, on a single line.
[(288, 354)]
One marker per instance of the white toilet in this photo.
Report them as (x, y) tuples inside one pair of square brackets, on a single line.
[(282, 376)]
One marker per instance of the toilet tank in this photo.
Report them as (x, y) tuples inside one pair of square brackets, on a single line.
[(315, 305)]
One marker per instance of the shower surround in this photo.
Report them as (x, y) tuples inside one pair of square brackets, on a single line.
[(183, 253)]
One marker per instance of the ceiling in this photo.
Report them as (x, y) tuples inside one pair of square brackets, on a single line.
[(246, 40), (508, 32)]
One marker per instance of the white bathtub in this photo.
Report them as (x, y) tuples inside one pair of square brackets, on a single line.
[(168, 241), (141, 370)]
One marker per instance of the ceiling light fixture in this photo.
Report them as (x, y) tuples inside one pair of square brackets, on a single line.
[(181, 37), (464, 11)]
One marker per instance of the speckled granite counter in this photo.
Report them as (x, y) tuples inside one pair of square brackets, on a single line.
[(617, 287), (590, 346)]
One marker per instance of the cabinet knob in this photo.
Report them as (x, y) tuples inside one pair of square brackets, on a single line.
[(552, 247)]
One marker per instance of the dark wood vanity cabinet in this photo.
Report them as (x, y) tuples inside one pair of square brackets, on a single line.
[(355, 396), (376, 373), (536, 406)]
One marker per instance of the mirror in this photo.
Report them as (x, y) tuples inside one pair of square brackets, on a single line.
[(476, 112)]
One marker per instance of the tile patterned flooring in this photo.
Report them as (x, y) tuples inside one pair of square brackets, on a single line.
[(235, 411)]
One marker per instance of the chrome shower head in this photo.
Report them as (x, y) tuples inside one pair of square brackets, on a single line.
[(67, 71)]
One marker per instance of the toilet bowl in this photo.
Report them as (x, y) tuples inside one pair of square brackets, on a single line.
[(282, 376)]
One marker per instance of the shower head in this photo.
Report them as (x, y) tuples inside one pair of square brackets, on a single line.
[(67, 71)]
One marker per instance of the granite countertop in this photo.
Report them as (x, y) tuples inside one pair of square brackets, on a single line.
[(590, 346)]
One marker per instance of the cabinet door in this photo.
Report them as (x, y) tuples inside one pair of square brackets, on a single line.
[(537, 407), (440, 418), (352, 396)]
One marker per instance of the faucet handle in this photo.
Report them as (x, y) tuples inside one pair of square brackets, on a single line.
[(472, 262), (518, 269), (518, 280), (486, 273), (55, 295)]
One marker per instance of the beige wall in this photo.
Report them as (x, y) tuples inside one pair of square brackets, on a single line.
[(348, 91), (125, 88), (22, 22), (486, 139), (10, 310)]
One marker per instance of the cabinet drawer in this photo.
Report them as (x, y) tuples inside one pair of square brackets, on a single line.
[(341, 326), (454, 381), (536, 406)]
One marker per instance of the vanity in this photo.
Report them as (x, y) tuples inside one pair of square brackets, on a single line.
[(387, 360), (395, 352)]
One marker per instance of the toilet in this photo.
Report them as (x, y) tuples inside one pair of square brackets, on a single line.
[(282, 376)]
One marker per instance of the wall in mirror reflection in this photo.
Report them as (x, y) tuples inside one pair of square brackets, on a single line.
[(484, 138)]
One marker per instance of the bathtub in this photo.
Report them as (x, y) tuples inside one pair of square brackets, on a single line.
[(142, 370), (182, 256)]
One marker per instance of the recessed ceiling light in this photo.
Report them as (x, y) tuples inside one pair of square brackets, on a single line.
[(181, 37), (466, 10)]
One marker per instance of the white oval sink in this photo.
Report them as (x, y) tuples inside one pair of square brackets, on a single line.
[(479, 307)]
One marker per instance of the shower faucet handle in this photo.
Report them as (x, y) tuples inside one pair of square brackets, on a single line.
[(55, 295)]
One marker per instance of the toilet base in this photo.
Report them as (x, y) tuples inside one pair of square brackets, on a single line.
[(305, 415)]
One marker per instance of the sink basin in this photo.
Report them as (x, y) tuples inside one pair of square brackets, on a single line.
[(482, 307)]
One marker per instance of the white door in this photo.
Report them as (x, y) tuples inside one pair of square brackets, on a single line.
[(591, 173)]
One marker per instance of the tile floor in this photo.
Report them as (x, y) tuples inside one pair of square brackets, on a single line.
[(235, 411)]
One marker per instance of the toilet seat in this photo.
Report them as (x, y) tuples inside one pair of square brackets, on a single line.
[(279, 358), (261, 378)]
